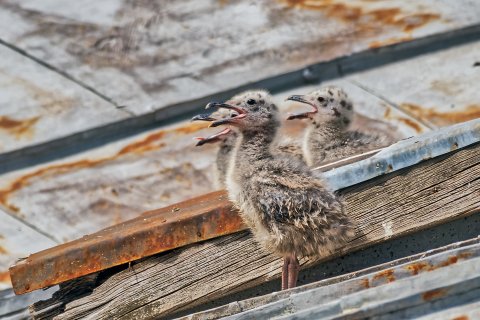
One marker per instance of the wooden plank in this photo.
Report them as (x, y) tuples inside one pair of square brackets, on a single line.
[(435, 88), (433, 192), (38, 105), (335, 287), (17, 240), (141, 55)]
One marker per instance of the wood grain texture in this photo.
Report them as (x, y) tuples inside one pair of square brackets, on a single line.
[(433, 192)]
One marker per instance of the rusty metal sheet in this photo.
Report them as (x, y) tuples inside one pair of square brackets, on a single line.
[(436, 88), (38, 105), (191, 221), (141, 54), (17, 240)]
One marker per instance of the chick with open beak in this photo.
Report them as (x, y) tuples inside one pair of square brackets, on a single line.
[(289, 209), (329, 136), (226, 140)]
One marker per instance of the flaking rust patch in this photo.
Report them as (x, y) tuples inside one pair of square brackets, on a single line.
[(387, 227)]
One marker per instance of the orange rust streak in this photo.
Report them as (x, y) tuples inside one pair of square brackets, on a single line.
[(149, 143), (17, 127), (461, 318), (364, 19), (411, 124), (387, 274), (5, 277), (418, 267), (365, 283), (3, 250), (390, 41), (434, 294), (443, 118)]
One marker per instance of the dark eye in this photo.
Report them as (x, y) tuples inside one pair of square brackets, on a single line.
[(251, 102), (321, 99)]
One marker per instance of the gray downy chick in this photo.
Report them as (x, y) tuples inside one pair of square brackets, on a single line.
[(226, 140), (329, 136), (289, 209)]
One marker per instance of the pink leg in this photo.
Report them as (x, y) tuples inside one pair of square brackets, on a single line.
[(293, 269), (285, 273)]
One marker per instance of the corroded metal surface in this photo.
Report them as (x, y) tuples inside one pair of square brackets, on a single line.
[(146, 48), (177, 225), (38, 105), (156, 231), (435, 88)]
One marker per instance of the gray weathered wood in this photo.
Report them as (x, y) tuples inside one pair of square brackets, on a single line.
[(435, 88), (147, 55), (38, 105), (428, 194), (351, 282)]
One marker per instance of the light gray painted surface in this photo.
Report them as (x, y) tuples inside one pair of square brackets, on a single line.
[(38, 105)]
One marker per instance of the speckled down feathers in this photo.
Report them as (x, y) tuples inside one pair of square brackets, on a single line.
[(290, 211)]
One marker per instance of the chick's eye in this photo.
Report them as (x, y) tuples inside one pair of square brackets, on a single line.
[(321, 99), (251, 102)]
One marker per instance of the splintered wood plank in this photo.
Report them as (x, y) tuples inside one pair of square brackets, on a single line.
[(428, 194), (149, 55), (17, 240), (435, 88), (38, 105)]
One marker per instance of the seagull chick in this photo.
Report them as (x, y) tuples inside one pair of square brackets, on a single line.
[(329, 136), (289, 209)]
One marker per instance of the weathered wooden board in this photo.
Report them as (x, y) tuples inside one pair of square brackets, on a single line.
[(38, 105), (428, 194), (348, 283), (148, 55), (17, 240), (437, 88)]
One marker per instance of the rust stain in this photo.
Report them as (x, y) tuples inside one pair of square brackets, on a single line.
[(149, 143), (461, 318), (416, 268), (434, 294), (18, 128), (451, 260), (367, 20), (386, 274), (365, 283), (409, 122), (443, 118), (197, 219), (412, 124), (5, 277), (389, 41), (3, 250)]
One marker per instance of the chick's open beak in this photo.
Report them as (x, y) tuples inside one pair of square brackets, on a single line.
[(213, 138), (203, 117), (240, 113), (302, 115)]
